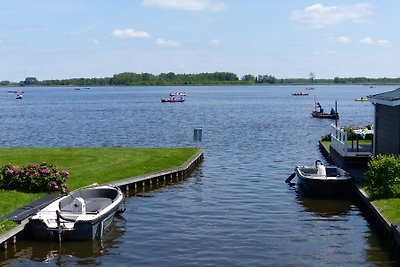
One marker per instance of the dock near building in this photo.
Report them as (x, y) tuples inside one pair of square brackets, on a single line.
[(21, 216), (356, 167)]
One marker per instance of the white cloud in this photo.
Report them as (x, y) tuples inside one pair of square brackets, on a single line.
[(343, 39), (320, 16), (163, 42), (369, 41), (130, 33), (214, 42), (191, 5), (382, 42)]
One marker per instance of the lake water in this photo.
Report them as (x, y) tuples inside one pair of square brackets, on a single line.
[(235, 209)]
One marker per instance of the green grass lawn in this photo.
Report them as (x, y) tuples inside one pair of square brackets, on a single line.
[(90, 165), (390, 208)]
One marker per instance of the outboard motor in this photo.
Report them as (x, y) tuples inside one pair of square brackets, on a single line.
[(321, 170)]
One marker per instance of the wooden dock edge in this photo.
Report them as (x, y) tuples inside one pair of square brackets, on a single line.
[(388, 231), (11, 236), (172, 174)]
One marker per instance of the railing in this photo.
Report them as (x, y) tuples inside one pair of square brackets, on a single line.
[(339, 142)]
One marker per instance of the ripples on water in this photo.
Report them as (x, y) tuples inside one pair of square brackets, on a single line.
[(235, 209)]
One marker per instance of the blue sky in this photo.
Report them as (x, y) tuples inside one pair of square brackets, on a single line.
[(61, 39)]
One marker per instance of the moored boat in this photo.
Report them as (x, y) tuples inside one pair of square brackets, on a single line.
[(299, 94), (84, 214), (172, 100), (323, 181), (361, 99), (19, 96), (178, 94)]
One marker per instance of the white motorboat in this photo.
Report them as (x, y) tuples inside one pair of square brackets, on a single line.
[(84, 214)]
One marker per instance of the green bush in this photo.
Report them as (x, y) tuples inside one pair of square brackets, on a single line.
[(382, 176), (33, 178)]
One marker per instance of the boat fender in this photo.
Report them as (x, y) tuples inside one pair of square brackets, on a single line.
[(321, 170)]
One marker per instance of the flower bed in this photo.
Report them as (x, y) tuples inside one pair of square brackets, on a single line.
[(33, 178)]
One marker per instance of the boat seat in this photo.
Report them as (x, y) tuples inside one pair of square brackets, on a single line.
[(331, 172), (73, 205), (98, 193), (309, 171), (65, 204), (97, 204), (94, 200)]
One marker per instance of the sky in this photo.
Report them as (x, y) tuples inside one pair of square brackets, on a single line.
[(63, 39)]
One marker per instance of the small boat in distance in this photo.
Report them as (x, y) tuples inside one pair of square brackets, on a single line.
[(299, 94), (178, 94), (83, 214), (172, 100), (19, 96), (318, 112), (323, 181), (323, 115), (361, 99)]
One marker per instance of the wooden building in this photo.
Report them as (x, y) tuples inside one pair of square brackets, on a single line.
[(387, 122)]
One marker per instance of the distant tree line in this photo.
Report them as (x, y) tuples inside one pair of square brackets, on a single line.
[(215, 78)]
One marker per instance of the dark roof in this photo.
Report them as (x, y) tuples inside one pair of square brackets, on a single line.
[(390, 98)]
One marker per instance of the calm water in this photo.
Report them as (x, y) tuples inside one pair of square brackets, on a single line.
[(235, 209)]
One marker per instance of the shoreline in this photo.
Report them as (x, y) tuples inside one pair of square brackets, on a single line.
[(141, 181)]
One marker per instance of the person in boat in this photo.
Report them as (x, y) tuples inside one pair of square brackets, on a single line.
[(333, 112), (321, 110)]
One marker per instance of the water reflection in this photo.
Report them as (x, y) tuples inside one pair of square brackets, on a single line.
[(325, 207), (59, 254)]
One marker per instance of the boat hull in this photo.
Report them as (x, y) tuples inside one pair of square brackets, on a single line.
[(330, 189), (300, 94), (83, 230), (172, 101), (323, 186)]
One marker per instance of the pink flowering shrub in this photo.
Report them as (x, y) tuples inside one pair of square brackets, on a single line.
[(32, 178)]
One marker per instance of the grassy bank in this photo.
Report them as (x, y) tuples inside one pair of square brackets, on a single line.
[(388, 207), (90, 165)]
